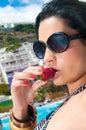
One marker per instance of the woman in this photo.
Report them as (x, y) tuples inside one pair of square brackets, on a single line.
[(0, 125), (61, 33)]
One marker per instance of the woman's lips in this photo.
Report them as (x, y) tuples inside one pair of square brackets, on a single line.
[(56, 74)]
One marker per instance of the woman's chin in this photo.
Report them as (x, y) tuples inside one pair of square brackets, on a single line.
[(58, 82)]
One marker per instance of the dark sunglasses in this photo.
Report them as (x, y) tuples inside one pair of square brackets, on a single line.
[(57, 42)]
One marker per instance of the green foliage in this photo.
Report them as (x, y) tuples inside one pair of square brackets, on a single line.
[(11, 44), (49, 88), (20, 33), (1, 33), (4, 89), (5, 108), (6, 103), (1, 37), (28, 28)]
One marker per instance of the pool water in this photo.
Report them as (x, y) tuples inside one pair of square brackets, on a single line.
[(42, 112), (5, 124)]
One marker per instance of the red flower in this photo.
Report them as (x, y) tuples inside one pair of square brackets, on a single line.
[(48, 73)]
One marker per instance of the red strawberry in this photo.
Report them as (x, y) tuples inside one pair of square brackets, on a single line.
[(48, 73)]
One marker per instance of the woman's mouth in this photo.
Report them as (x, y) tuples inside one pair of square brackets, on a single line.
[(56, 74)]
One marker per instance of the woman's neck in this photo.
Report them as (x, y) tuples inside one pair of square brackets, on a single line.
[(73, 86)]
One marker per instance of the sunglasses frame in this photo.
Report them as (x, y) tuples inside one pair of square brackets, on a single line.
[(67, 37)]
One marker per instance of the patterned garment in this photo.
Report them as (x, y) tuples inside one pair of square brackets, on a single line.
[(43, 124)]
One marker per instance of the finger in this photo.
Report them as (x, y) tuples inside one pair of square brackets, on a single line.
[(34, 70), (38, 84), (19, 83), (27, 74), (23, 76), (18, 88)]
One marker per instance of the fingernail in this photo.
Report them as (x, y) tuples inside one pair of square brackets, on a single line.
[(41, 68), (25, 82), (32, 76)]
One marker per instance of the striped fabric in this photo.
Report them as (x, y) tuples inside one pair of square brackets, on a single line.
[(43, 124)]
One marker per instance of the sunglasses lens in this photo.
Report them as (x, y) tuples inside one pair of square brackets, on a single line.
[(39, 49), (58, 42)]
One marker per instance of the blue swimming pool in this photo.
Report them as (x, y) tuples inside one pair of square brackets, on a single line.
[(42, 112), (5, 124)]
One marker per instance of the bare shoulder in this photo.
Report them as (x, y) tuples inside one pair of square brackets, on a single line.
[(71, 115), (83, 98), (79, 100)]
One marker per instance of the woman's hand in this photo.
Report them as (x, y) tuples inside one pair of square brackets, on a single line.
[(23, 92)]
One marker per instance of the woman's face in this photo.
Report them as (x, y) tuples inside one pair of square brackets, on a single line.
[(70, 64)]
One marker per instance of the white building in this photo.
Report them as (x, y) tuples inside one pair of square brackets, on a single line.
[(2, 79), (18, 60)]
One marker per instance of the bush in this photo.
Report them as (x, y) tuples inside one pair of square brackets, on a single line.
[(5, 109), (5, 106), (4, 89), (28, 28), (51, 89)]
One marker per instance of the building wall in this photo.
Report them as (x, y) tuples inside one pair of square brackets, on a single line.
[(18, 60), (2, 79)]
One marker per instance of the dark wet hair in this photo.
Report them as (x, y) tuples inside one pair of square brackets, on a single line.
[(73, 11)]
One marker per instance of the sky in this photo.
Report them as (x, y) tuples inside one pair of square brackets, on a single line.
[(18, 11)]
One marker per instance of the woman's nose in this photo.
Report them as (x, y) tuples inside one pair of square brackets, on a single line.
[(49, 57)]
